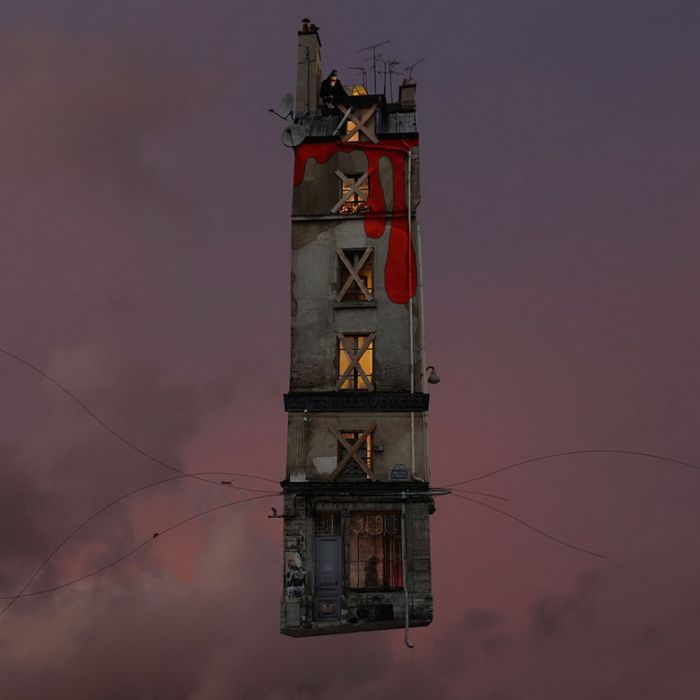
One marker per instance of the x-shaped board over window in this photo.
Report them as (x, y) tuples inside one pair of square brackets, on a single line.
[(354, 275), (360, 123), (353, 189), (352, 452), (354, 357)]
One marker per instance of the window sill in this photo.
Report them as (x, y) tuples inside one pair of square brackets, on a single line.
[(354, 304)]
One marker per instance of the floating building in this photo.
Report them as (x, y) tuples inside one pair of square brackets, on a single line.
[(356, 493)]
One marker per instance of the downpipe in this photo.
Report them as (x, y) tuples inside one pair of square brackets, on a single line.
[(404, 566)]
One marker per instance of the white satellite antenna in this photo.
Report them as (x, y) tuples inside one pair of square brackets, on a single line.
[(293, 135), (285, 108)]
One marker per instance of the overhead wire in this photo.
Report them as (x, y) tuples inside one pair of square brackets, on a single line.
[(23, 594), (130, 553), (477, 493), (106, 507), (115, 433), (195, 475), (532, 527), (124, 440), (569, 453)]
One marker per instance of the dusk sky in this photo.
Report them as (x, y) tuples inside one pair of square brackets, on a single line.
[(145, 198)]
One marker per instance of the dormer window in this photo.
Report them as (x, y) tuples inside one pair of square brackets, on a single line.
[(352, 133), (359, 123)]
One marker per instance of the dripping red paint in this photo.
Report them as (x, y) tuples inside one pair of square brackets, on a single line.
[(400, 268)]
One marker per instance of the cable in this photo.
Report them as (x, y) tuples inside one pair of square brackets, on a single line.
[(542, 458), (113, 432), (109, 505), (532, 527), (130, 553), (479, 493)]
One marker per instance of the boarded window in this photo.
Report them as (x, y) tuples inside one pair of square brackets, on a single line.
[(356, 275), (363, 451), (355, 362), (354, 189)]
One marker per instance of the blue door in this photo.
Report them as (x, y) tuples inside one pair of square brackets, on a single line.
[(327, 577)]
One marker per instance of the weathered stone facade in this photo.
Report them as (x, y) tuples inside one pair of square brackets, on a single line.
[(357, 500)]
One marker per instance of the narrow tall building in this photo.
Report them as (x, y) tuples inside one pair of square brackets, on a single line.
[(357, 499)]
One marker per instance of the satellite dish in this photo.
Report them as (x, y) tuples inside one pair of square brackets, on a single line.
[(286, 106), (293, 135), (284, 111)]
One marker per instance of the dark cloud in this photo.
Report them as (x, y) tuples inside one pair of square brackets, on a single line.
[(144, 263), (481, 620), (553, 615), (27, 506)]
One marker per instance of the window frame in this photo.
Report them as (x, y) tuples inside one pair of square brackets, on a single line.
[(353, 294), (356, 203), (366, 450), (390, 562), (354, 376)]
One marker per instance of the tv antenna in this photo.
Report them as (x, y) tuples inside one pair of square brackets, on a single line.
[(360, 70), (373, 48), (285, 108), (389, 64), (412, 66)]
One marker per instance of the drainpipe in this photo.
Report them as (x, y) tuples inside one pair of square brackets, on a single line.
[(421, 332), (411, 368), (404, 566), (308, 80)]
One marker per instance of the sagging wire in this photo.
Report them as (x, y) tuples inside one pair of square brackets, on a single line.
[(532, 527), (22, 594), (569, 453), (106, 507), (124, 440)]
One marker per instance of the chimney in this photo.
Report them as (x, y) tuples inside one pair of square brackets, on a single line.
[(407, 96), (308, 68)]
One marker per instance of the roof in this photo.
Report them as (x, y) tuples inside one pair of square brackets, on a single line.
[(390, 120)]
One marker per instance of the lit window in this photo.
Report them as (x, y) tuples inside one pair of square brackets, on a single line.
[(375, 550), (350, 126), (355, 362), (355, 192), (356, 272)]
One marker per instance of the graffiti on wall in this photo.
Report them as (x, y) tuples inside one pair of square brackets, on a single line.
[(294, 575), (400, 270)]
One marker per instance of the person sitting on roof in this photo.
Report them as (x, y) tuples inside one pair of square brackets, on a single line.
[(331, 88)]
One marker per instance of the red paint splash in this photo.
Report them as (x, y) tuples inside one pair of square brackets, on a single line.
[(400, 279)]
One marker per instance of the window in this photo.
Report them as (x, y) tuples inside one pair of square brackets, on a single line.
[(375, 550), (327, 524), (363, 452), (354, 193), (355, 362), (354, 190), (355, 456), (359, 124), (356, 275), (351, 128)]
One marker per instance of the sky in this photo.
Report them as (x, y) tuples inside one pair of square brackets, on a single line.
[(144, 222)]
